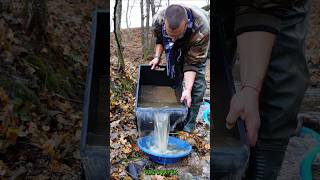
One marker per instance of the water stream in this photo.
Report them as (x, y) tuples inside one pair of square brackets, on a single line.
[(159, 143), (158, 112), (161, 131)]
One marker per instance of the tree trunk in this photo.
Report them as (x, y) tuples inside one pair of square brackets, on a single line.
[(147, 25), (127, 12), (153, 7), (153, 12), (143, 39), (117, 22), (158, 5)]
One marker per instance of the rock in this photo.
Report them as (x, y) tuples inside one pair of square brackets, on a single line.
[(196, 168), (192, 142), (186, 176)]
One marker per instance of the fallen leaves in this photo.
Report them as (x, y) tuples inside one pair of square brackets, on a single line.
[(56, 166), (4, 99), (127, 150), (53, 125), (315, 78), (12, 134), (196, 140), (3, 168)]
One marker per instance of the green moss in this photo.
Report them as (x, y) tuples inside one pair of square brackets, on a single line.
[(5, 82), (23, 100), (53, 79), (147, 53), (121, 85), (24, 93)]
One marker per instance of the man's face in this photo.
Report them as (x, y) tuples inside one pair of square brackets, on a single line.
[(176, 33)]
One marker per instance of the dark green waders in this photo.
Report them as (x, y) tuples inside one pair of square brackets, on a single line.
[(198, 90), (281, 96)]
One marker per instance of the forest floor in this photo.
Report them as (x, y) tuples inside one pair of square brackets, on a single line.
[(41, 91)]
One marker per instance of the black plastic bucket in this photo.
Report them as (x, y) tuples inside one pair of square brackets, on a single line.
[(145, 115), (93, 143)]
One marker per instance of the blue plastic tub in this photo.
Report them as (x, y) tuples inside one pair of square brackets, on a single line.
[(165, 158)]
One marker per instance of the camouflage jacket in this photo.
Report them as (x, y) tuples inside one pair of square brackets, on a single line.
[(197, 45), (262, 15)]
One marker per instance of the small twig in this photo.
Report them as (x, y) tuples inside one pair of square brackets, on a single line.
[(6, 21), (75, 101), (68, 99), (173, 133)]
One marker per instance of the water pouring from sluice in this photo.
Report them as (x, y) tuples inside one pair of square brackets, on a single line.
[(159, 143), (161, 147)]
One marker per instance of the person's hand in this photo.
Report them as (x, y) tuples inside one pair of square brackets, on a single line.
[(154, 63), (245, 104), (186, 95)]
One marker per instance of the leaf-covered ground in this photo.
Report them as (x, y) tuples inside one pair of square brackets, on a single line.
[(123, 131), (41, 91)]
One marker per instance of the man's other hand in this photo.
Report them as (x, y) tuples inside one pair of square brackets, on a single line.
[(186, 95), (245, 104)]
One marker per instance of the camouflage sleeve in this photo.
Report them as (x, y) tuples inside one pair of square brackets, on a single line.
[(157, 28), (197, 52), (257, 15)]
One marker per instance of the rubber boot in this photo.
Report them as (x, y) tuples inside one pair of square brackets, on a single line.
[(266, 159)]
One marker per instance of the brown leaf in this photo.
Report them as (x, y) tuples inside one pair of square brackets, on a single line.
[(4, 99), (3, 168), (12, 134), (56, 166), (32, 128)]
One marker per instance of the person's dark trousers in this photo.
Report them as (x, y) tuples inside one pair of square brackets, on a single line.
[(198, 91), (281, 96)]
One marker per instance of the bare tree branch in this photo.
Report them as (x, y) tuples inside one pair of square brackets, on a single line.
[(159, 5), (147, 23), (127, 19)]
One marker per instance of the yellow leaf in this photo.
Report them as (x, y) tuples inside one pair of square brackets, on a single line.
[(127, 178), (207, 146), (126, 150), (12, 134)]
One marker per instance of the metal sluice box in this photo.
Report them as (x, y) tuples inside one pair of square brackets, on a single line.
[(155, 92), (93, 144), (230, 150)]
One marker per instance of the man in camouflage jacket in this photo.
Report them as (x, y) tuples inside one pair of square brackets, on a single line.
[(183, 33)]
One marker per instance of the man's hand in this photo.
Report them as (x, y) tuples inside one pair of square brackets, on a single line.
[(245, 104), (186, 95), (155, 63), (157, 59), (189, 77)]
